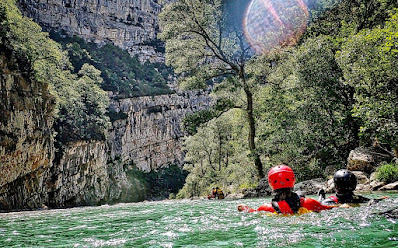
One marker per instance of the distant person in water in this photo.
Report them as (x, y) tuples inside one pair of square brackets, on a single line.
[(219, 193), (281, 178), (345, 182), (216, 193), (213, 193)]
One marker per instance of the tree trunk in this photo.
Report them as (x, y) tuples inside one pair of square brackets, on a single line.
[(252, 133)]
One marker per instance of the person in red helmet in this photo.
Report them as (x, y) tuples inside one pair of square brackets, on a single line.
[(281, 178)]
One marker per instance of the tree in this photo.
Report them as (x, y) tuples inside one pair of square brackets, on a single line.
[(204, 46), (369, 61), (217, 156), (305, 113)]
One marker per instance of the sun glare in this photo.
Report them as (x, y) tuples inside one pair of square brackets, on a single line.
[(271, 23)]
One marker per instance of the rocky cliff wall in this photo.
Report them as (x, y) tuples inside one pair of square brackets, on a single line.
[(150, 134), (26, 143), (129, 24), (81, 176), (86, 173), (97, 172)]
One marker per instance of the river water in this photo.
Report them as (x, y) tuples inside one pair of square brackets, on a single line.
[(199, 223)]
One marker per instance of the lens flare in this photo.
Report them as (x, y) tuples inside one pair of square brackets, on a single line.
[(272, 23)]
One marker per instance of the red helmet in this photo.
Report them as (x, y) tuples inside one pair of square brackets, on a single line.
[(281, 176)]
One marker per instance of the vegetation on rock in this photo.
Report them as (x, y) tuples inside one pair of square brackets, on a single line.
[(125, 75), (81, 103)]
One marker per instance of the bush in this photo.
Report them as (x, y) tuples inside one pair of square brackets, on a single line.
[(387, 173), (122, 73)]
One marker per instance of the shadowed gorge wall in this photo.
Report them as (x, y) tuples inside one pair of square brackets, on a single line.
[(26, 143)]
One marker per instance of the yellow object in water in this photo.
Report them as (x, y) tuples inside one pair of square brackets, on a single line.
[(303, 210), (300, 211)]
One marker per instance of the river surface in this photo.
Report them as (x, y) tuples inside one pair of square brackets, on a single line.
[(199, 223)]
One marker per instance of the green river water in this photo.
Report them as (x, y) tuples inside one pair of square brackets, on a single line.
[(199, 223)]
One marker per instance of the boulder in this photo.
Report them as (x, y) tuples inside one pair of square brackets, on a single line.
[(362, 178), (376, 185), (391, 186), (363, 187), (330, 186), (367, 158), (262, 190), (310, 187), (373, 176), (360, 159)]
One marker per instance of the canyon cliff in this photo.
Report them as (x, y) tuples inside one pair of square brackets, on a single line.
[(35, 173), (146, 135), (130, 24), (26, 143)]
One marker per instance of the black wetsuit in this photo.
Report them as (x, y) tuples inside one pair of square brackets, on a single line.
[(345, 198), (293, 200)]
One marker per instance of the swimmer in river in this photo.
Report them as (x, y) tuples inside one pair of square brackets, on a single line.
[(281, 178), (345, 182)]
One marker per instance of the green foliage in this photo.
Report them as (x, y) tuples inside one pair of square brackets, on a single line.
[(81, 103), (191, 122), (166, 181), (369, 61), (114, 116), (216, 156), (387, 173), (312, 103), (163, 183), (360, 14), (303, 113), (122, 73), (330, 90), (82, 107)]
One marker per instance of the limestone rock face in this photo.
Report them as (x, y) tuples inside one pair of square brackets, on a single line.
[(85, 176), (390, 186), (32, 172), (26, 144), (150, 135), (129, 24), (82, 172), (81, 176)]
